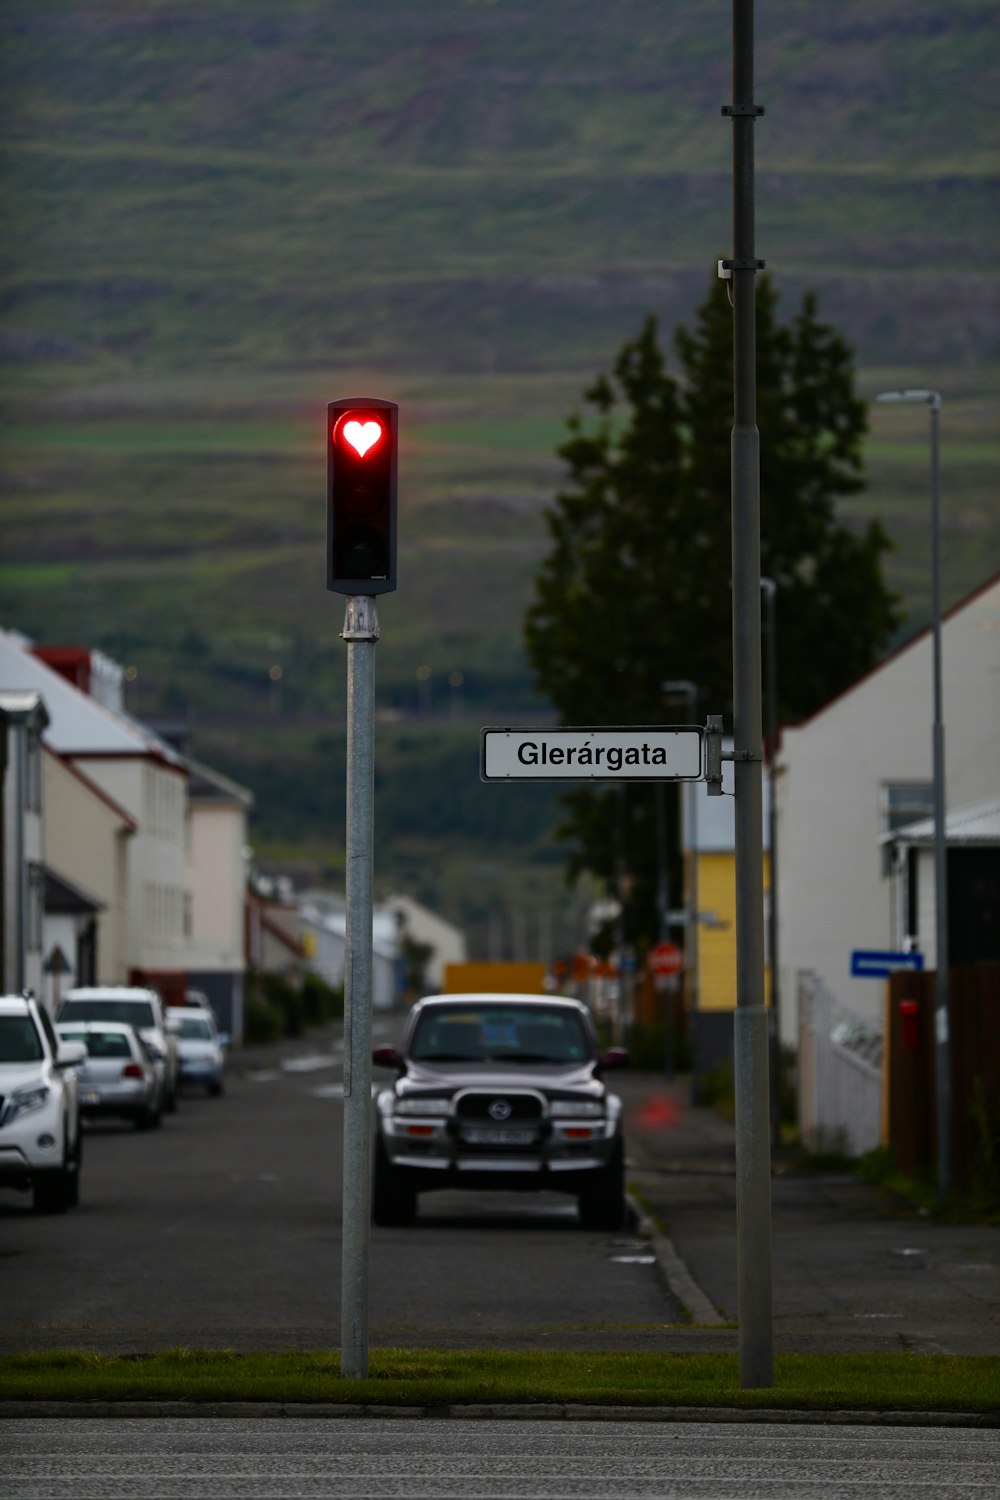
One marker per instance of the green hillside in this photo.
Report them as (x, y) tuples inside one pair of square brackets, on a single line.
[(222, 215)]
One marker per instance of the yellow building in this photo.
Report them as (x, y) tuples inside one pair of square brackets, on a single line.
[(710, 863)]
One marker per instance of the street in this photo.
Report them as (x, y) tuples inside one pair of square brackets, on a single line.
[(412, 1457), (223, 1230)]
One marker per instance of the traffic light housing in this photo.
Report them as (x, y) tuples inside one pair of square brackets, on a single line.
[(361, 495)]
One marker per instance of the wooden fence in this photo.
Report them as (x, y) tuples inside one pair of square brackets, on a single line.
[(974, 1028)]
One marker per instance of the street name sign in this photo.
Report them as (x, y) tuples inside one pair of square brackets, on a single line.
[(867, 963), (597, 754)]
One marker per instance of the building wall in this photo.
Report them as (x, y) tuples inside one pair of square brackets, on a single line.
[(215, 879), (155, 797), (87, 842), (834, 896)]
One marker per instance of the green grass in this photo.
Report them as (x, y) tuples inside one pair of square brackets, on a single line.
[(435, 1377)]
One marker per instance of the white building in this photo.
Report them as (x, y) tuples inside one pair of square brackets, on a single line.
[(323, 925), (446, 942), (862, 767), (136, 771), (216, 877)]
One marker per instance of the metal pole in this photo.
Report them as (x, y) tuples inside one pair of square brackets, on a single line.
[(770, 592), (942, 1053), (361, 631), (753, 1144)]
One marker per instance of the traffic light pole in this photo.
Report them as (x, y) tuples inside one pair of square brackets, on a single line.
[(753, 1134), (361, 631)]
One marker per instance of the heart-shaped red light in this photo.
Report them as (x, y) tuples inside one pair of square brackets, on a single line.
[(362, 435)]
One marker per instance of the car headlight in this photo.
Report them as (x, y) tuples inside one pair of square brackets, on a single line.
[(577, 1108), (23, 1100), (422, 1107)]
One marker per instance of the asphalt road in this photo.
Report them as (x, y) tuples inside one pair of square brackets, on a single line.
[(222, 1230), (409, 1458)]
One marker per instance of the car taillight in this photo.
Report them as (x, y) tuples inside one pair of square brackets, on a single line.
[(131, 1070)]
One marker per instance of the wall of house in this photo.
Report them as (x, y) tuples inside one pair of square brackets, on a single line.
[(86, 841), (156, 798), (215, 880), (834, 894)]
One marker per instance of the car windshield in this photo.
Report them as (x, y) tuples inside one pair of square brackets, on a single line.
[(495, 1033), (131, 1012), (194, 1028), (19, 1041), (99, 1043)]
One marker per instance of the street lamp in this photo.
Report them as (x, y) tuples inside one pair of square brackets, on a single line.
[(932, 399), (770, 590)]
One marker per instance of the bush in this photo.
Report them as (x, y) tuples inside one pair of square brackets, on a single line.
[(262, 1020), (320, 1001), (287, 1000)]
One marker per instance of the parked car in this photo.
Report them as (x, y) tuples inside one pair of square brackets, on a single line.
[(137, 1007), (41, 1145), (199, 1046), (499, 1091), (118, 1076)]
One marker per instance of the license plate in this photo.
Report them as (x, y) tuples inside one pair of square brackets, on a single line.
[(90, 1098), (498, 1137)]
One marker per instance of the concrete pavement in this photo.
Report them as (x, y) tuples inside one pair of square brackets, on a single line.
[(855, 1268)]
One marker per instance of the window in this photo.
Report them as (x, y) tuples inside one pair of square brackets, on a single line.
[(902, 803)]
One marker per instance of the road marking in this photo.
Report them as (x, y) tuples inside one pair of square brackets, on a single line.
[(309, 1064)]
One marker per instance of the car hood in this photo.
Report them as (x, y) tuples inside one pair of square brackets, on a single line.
[(551, 1079), (22, 1075), (197, 1047)]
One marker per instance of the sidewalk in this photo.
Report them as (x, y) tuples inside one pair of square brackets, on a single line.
[(854, 1268)]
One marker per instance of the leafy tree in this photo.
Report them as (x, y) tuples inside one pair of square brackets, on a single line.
[(636, 587)]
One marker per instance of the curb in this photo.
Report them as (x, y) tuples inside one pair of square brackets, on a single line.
[(505, 1411), (675, 1273)]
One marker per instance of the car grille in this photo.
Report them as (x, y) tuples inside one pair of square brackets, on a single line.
[(522, 1109)]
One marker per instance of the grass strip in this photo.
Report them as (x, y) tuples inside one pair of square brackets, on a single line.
[(439, 1377)]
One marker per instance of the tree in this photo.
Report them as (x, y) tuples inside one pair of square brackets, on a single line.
[(636, 587)]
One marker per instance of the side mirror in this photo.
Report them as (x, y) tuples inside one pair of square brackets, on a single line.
[(386, 1057), (615, 1057), (71, 1054)]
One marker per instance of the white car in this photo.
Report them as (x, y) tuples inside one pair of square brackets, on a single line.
[(133, 1006), (41, 1145), (199, 1046), (118, 1076)]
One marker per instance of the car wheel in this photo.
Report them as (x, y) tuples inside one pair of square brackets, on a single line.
[(394, 1202), (55, 1190), (74, 1168), (170, 1102), (215, 1089), (602, 1202), (147, 1119)]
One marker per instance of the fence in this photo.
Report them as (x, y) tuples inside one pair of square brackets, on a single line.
[(839, 1073), (974, 1027)]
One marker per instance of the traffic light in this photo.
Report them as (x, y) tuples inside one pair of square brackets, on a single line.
[(361, 496)]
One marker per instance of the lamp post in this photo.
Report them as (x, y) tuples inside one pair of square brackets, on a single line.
[(932, 399), (770, 591)]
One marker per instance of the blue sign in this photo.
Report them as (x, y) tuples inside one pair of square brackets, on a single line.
[(868, 964)]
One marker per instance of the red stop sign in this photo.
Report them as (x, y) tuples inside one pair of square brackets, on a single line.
[(666, 959)]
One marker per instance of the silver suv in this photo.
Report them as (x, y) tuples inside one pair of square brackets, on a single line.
[(137, 1007), (41, 1146), (499, 1091)]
